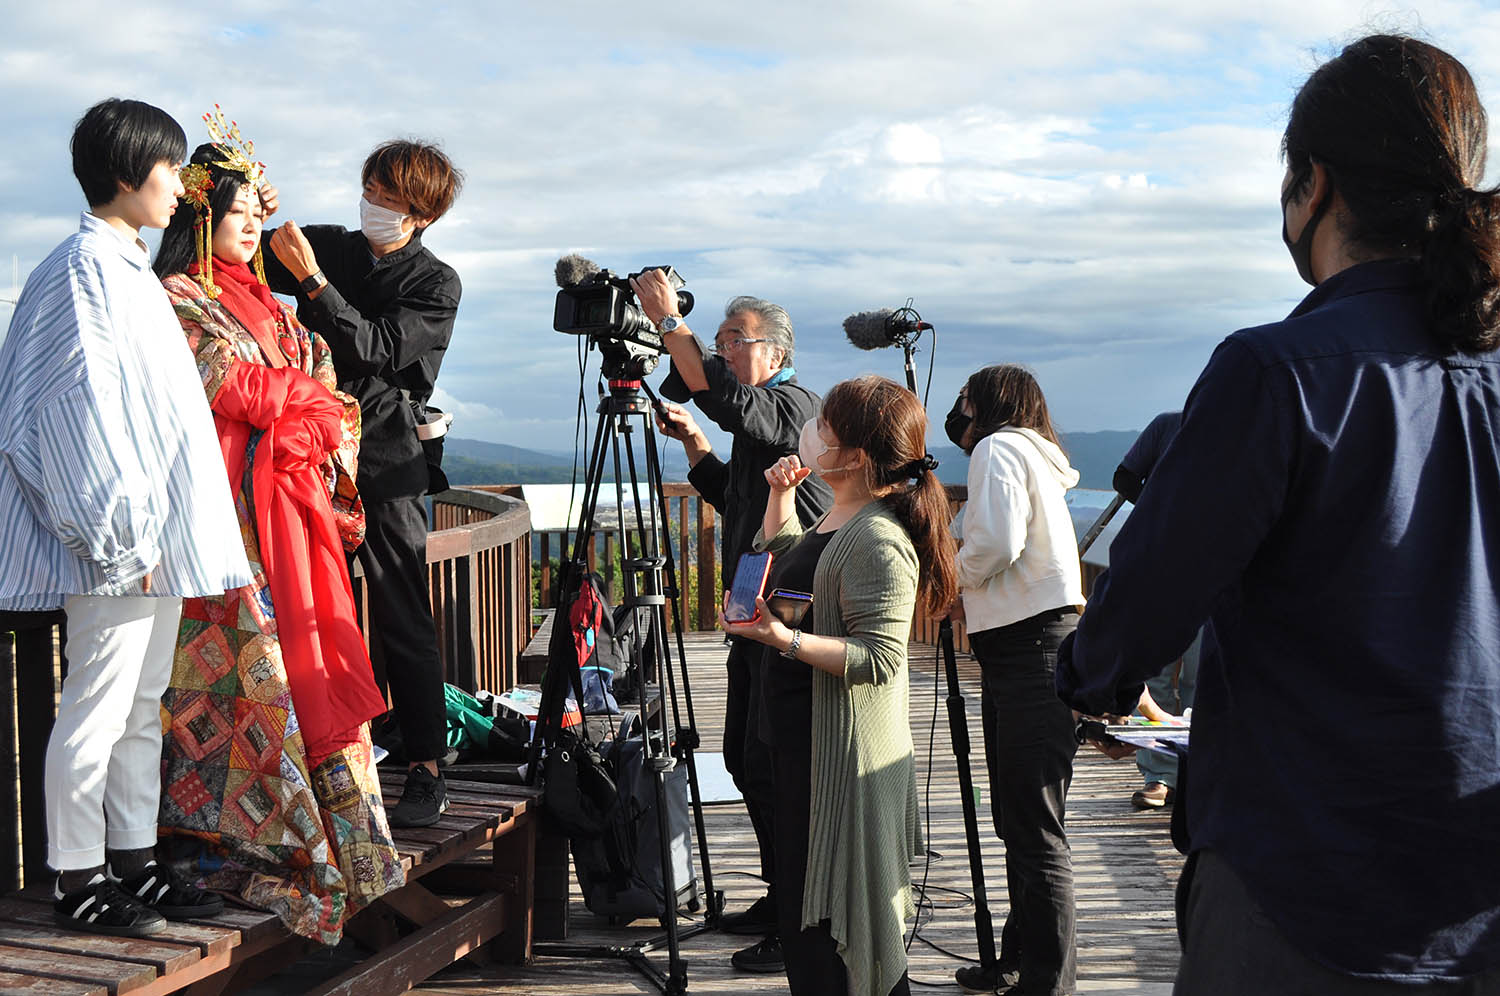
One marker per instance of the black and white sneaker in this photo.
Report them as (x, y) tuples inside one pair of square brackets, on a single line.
[(101, 908), (424, 800), (157, 887)]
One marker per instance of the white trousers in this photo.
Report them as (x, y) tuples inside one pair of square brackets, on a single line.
[(104, 757)]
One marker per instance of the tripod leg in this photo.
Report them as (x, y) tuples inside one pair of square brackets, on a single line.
[(657, 754), (555, 685), (687, 737)]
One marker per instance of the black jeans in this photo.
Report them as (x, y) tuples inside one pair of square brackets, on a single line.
[(747, 758), (394, 555), (1231, 948), (1028, 746)]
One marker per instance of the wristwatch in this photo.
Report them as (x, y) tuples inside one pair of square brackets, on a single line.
[(670, 323), (312, 283), (790, 653)]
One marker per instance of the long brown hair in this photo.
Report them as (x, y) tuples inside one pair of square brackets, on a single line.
[(887, 422), (1006, 394)]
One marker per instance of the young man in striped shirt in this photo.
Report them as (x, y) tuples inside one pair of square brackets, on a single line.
[(113, 505)]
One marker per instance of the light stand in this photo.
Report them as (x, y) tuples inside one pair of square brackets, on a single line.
[(958, 727), (644, 562)]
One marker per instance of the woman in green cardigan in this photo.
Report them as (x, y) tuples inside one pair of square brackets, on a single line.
[(836, 691)]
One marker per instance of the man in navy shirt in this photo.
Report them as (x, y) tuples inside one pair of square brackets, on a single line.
[(1332, 501)]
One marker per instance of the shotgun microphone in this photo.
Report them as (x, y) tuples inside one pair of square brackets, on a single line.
[(573, 270), (878, 329)]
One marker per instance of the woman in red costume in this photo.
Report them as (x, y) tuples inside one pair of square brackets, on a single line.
[(269, 787)]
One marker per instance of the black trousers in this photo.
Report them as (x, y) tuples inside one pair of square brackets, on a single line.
[(747, 758), (1029, 746), (1231, 948), (813, 965), (394, 556)]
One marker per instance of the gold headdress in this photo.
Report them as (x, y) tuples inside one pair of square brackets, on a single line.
[(197, 182)]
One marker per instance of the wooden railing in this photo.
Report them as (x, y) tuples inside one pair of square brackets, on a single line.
[(479, 579), (482, 558), (695, 543), (479, 567), (693, 529)]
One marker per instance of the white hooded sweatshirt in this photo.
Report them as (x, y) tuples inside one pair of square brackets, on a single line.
[(1019, 554)]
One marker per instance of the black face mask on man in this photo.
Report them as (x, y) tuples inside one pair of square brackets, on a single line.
[(956, 425), (1301, 250)]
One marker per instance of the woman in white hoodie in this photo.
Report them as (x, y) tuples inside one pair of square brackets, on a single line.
[(1022, 592)]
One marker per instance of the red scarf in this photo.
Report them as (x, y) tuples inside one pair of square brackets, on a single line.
[(327, 667), (247, 299)]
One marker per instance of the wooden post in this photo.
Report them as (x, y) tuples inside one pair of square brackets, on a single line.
[(466, 625), (36, 709), (707, 565)]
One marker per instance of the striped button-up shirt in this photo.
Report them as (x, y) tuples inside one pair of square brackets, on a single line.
[(109, 464)]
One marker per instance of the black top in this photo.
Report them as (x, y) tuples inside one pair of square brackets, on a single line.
[(786, 685), (766, 423), (387, 322), (1332, 501), (1148, 447)]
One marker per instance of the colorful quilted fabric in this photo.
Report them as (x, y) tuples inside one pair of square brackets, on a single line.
[(244, 807)]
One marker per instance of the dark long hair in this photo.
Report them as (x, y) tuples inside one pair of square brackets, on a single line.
[(176, 253), (886, 420), (1006, 394), (1399, 127)]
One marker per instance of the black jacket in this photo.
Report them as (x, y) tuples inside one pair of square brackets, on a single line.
[(766, 423), (388, 322)]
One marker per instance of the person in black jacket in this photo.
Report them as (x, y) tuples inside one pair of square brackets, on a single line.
[(748, 388), (386, 306)]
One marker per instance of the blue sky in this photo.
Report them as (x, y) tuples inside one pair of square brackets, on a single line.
[(1085, 187)]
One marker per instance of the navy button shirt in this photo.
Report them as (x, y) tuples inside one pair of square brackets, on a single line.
[(1332, 501)]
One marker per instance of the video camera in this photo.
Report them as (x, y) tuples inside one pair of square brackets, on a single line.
[(602, 306)]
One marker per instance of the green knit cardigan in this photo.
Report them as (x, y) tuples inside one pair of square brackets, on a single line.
[(864, 829)]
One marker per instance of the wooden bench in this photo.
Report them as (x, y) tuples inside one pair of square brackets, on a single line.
[(492, 921)]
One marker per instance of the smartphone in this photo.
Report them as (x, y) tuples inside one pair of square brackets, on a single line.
[(789, 606), (749, 581)]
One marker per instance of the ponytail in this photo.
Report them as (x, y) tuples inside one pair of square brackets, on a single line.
[(1399, 126), (1461, 264), (922, 508), (887, 422)]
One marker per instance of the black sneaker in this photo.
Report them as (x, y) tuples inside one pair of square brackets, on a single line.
[(760, 918), (978, 979), (101, 908), (157, 887), (424, 800), (763, 956)]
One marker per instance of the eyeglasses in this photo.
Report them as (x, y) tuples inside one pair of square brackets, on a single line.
[(734, 345)]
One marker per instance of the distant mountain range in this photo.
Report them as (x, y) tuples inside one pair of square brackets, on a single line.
[(471, 461)]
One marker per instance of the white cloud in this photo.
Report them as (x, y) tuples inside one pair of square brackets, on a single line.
[(1086, 186)]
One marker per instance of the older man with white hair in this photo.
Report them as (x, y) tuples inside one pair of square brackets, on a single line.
[(746, 385)]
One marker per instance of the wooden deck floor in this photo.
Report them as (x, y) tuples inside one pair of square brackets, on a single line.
[(1124, 865)]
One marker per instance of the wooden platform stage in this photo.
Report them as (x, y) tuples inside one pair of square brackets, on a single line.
[(1124, 865)]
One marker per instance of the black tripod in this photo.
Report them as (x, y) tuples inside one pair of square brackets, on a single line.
[(958, 726), (649, 580)]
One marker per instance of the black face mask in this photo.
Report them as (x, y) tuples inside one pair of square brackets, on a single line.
[(956, 425), (1301, 250)]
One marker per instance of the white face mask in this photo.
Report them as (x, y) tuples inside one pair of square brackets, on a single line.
[(381, 226), (811, 450)]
